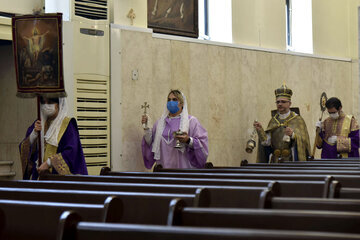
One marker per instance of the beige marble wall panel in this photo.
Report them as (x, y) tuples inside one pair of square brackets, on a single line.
[(198, 92), (300, 81), (180, 66), (160, 83), (239, 79), (217, 104), (217, 90), (264, 87), (336, 81), (356, 88), (136, 55)]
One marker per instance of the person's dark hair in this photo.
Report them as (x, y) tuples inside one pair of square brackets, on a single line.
[(333, 102), (49, 100)]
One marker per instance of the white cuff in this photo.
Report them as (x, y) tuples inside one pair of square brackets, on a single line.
[(191, 143), (48, 162), (148, 135), (33, 136)]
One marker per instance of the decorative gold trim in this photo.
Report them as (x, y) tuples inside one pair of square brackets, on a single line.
[(58, 162), (262, 135), (63, 127), (51, 151), (24, 153), (343, 144), (345, 128), (291, 116), (318, 139)]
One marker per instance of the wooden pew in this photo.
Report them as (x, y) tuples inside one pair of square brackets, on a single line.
[(288, 188), (216, 175), (269, 201), (264, 171), (346, 180), (211, 196), (306, 163), (71, 228), (326, 221), (39, 220), (295, 164), (354, 159), (138, 207), (148, 184), (316, 204), (306, 167), (347, 193), (119, 186)]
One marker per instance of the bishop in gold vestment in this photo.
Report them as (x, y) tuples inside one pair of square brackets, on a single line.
[(286, 137)]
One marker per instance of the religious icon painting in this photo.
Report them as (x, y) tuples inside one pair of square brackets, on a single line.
[(176, 17), (37, 45)]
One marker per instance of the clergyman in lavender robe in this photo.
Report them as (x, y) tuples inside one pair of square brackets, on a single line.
[(339, 133), (60, 143), (158, 143)]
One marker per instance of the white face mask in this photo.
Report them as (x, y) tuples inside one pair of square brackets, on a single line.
[(334, 115), (48, 109)]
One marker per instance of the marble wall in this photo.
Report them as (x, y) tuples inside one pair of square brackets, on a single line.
[(227, 89), (16, 114)]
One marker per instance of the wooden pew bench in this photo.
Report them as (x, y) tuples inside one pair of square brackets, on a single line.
[(212, 196), (138, 207), (70, 228), (345, 180), (216, 175), (352, 205), (146, 185), (288, 188), (268, 200), (347, 193), (264, 171), (325, 221), (40, 220), (304, 165)]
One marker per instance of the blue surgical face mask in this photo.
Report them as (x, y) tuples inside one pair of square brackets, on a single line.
[(172, 106)]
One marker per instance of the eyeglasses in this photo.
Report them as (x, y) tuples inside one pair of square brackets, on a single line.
[(281, 101)]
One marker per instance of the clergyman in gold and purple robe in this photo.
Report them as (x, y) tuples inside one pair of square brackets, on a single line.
[(339, 133), (286, 137)]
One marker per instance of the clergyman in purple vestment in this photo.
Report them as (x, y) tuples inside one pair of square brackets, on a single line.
[(60, 142), (158, 143), (339, 133)]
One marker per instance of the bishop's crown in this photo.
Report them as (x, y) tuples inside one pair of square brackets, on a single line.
[(283, 91)]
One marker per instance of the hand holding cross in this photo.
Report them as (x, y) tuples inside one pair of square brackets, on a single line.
[(144, 117)]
